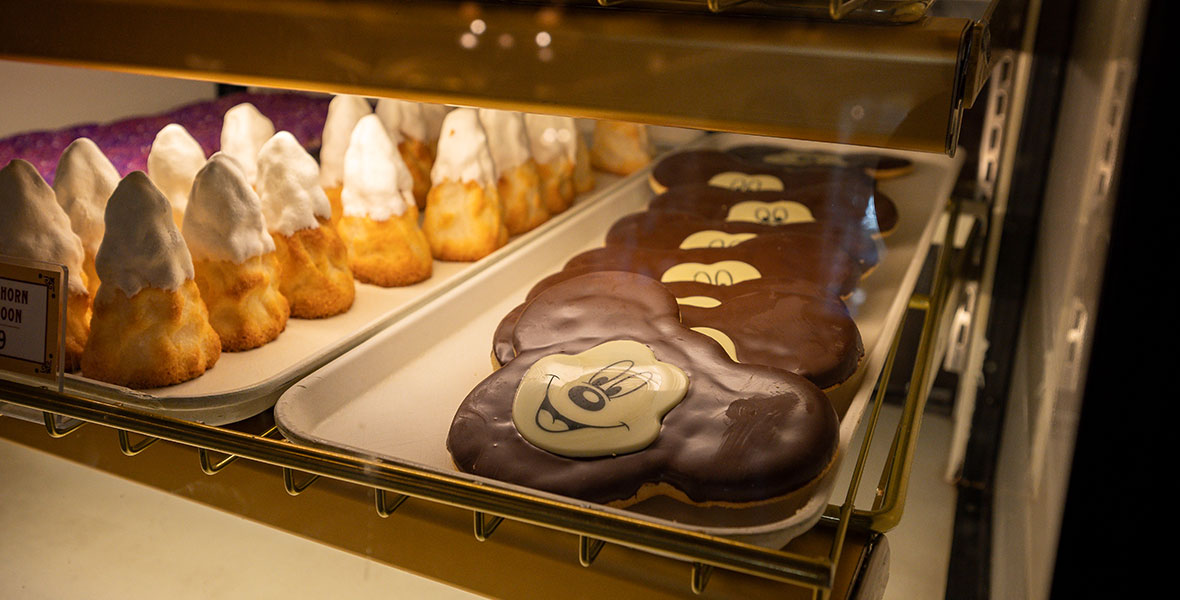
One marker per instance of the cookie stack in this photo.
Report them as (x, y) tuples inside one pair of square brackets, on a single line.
[(689, 355)]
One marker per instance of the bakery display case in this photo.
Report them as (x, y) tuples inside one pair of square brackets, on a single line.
[(351, 413)]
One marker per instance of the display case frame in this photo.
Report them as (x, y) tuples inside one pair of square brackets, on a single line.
[(950, 56)]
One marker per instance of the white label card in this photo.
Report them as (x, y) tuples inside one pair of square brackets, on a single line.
[(32, 303)]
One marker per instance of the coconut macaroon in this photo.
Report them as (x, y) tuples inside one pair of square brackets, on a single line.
[(150, 327), (234, 259), (553, 142), (518, 182), (380, 221), (243, 131), (464, 220), (344, 111), (172, 164), (406, 125), (33, 226), (84, 180), (316, 279), (619, 147)]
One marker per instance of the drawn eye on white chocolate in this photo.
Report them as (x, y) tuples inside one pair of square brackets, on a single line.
[(735, 271), (782, 212), (794, 158), (712, 238), (745, 182), (613, 381)]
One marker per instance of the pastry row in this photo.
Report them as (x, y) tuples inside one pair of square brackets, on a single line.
[(199, 255), (689, 356)]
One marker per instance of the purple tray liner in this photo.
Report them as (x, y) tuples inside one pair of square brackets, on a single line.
[(126, 143)]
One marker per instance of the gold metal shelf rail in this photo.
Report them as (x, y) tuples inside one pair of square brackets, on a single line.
[(900, 86)]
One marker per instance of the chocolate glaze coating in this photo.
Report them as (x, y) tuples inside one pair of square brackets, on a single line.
[(786, 256), (804, 334), (503, 350), (667, 229), (856, 206), (877, 165), (743, 433), (789, 324)]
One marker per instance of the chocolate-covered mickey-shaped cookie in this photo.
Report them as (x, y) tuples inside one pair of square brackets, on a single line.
[(611, 399), (807, 257), (692, 293), (676, 229), (788, 324), (860, 208), (805, 334), (879, 166), (722, 169)]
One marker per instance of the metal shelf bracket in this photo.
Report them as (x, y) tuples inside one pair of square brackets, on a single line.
[(131, 449), (588, 549), (485, 525)]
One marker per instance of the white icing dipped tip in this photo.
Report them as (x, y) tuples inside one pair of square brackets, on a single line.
[(33, 226), (243, 132), (551, 137), (289, 186), (377, 182), (84, 181), (224, 217), (344, 112), (463, 153), (508, 139), (142, 247), (402, 119), (173, 162)]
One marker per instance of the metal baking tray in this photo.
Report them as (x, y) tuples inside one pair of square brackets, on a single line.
[(393, 397)]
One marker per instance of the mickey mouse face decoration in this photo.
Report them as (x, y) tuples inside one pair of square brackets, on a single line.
[(609, 397), (605, 401)]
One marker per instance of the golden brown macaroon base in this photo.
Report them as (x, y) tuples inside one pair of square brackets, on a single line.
[(388, 253), (519, 189), (464, 221), (245, 306), (316, 278), (335, 202), (90, 274), (153, 339), (419, 159), (78, 315), (619, 148), (557, 185)]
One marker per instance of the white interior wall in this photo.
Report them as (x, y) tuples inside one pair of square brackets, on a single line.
[(35, 96)]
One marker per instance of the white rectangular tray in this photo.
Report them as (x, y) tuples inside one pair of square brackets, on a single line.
[(393, 397), (243, 384)]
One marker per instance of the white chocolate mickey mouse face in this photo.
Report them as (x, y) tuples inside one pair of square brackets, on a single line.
[(781, 212), (795, 158), (724, 272), (711, 238), (605, 401), (745, 182)]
